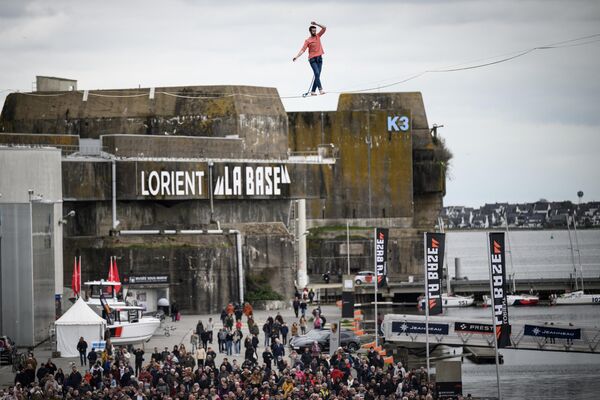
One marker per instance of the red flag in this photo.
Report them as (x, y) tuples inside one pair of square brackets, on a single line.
[(74, 279), (79, 276), (115, 275)]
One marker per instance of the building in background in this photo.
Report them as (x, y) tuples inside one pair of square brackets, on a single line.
[(31, 261), (200, 184)]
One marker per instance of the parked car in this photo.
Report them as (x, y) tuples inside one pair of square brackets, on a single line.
[(363, 277), (348, 340)]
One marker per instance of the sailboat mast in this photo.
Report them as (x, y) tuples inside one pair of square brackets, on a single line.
[(578, 251), (512, 267), (442, 229), (572, 253)]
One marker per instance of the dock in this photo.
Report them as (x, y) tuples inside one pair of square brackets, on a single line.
[(482, 355)]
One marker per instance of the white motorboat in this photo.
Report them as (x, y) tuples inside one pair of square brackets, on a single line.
[(125, 322), (450, 300), (577, 297), (516, 300), (128, 326)]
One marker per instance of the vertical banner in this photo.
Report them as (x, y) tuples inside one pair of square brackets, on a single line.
[(434, 261), (381, 239), (498, 287)]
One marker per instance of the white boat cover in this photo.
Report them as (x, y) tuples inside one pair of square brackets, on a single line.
[(79, 321)]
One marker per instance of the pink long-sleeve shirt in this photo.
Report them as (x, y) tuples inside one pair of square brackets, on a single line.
[(314, 46)]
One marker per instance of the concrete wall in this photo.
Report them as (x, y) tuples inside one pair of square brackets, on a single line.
[(254, 114), (26, 139), (27, 271), (44, 285), (24, 169), (202, 268), (367, 181), (17, 273), (172, 146), (406, 173), (49, 83)]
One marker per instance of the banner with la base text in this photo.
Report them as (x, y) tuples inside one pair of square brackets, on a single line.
[(498, 287), (381, 239), (434, 263)]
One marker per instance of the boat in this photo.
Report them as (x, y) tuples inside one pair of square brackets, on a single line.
[(516, 300), (128, 325), (577, 297), (451, 300), (125, 322)]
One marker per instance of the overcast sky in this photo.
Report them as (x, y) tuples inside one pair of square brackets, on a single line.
[(519, 131)]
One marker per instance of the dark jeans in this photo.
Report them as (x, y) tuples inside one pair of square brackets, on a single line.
[(316, 63), (82, 358)]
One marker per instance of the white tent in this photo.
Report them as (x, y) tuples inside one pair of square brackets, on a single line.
[(79, 321)]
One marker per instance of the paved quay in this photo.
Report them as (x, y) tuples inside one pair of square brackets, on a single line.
[(179, 335)]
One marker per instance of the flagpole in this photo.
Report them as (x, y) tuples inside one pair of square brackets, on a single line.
[(494, 333), (348, 244), (426, 306), (79, 274), (376, 285)]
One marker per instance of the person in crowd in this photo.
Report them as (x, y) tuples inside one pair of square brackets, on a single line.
[(267, 331), (296, 306), (221, 337), (302, 324), (194, 340), (237, 341), (209, 330), (174, 312), (92, 357), (139, 359), (311, 296), (248, 310), (200, 355), (82, 349), (284, 330), (229, 342), (303, 307)]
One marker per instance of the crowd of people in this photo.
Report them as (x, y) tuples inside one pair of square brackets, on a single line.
[(267, 371)]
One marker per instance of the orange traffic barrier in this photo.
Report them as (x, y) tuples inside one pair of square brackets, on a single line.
[(388, 360), (378, 348), (359, 332), (368, 345), (383, 353)]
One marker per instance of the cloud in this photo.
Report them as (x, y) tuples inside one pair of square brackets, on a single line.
[(113, 44)]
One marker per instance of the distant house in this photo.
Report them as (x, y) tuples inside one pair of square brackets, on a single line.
[(536, 220), (524, 208), (513, 219), (542, 208), (480, 222), (558, 218)]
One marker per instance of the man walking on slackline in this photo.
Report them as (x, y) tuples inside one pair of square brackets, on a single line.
[(315, 55)]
